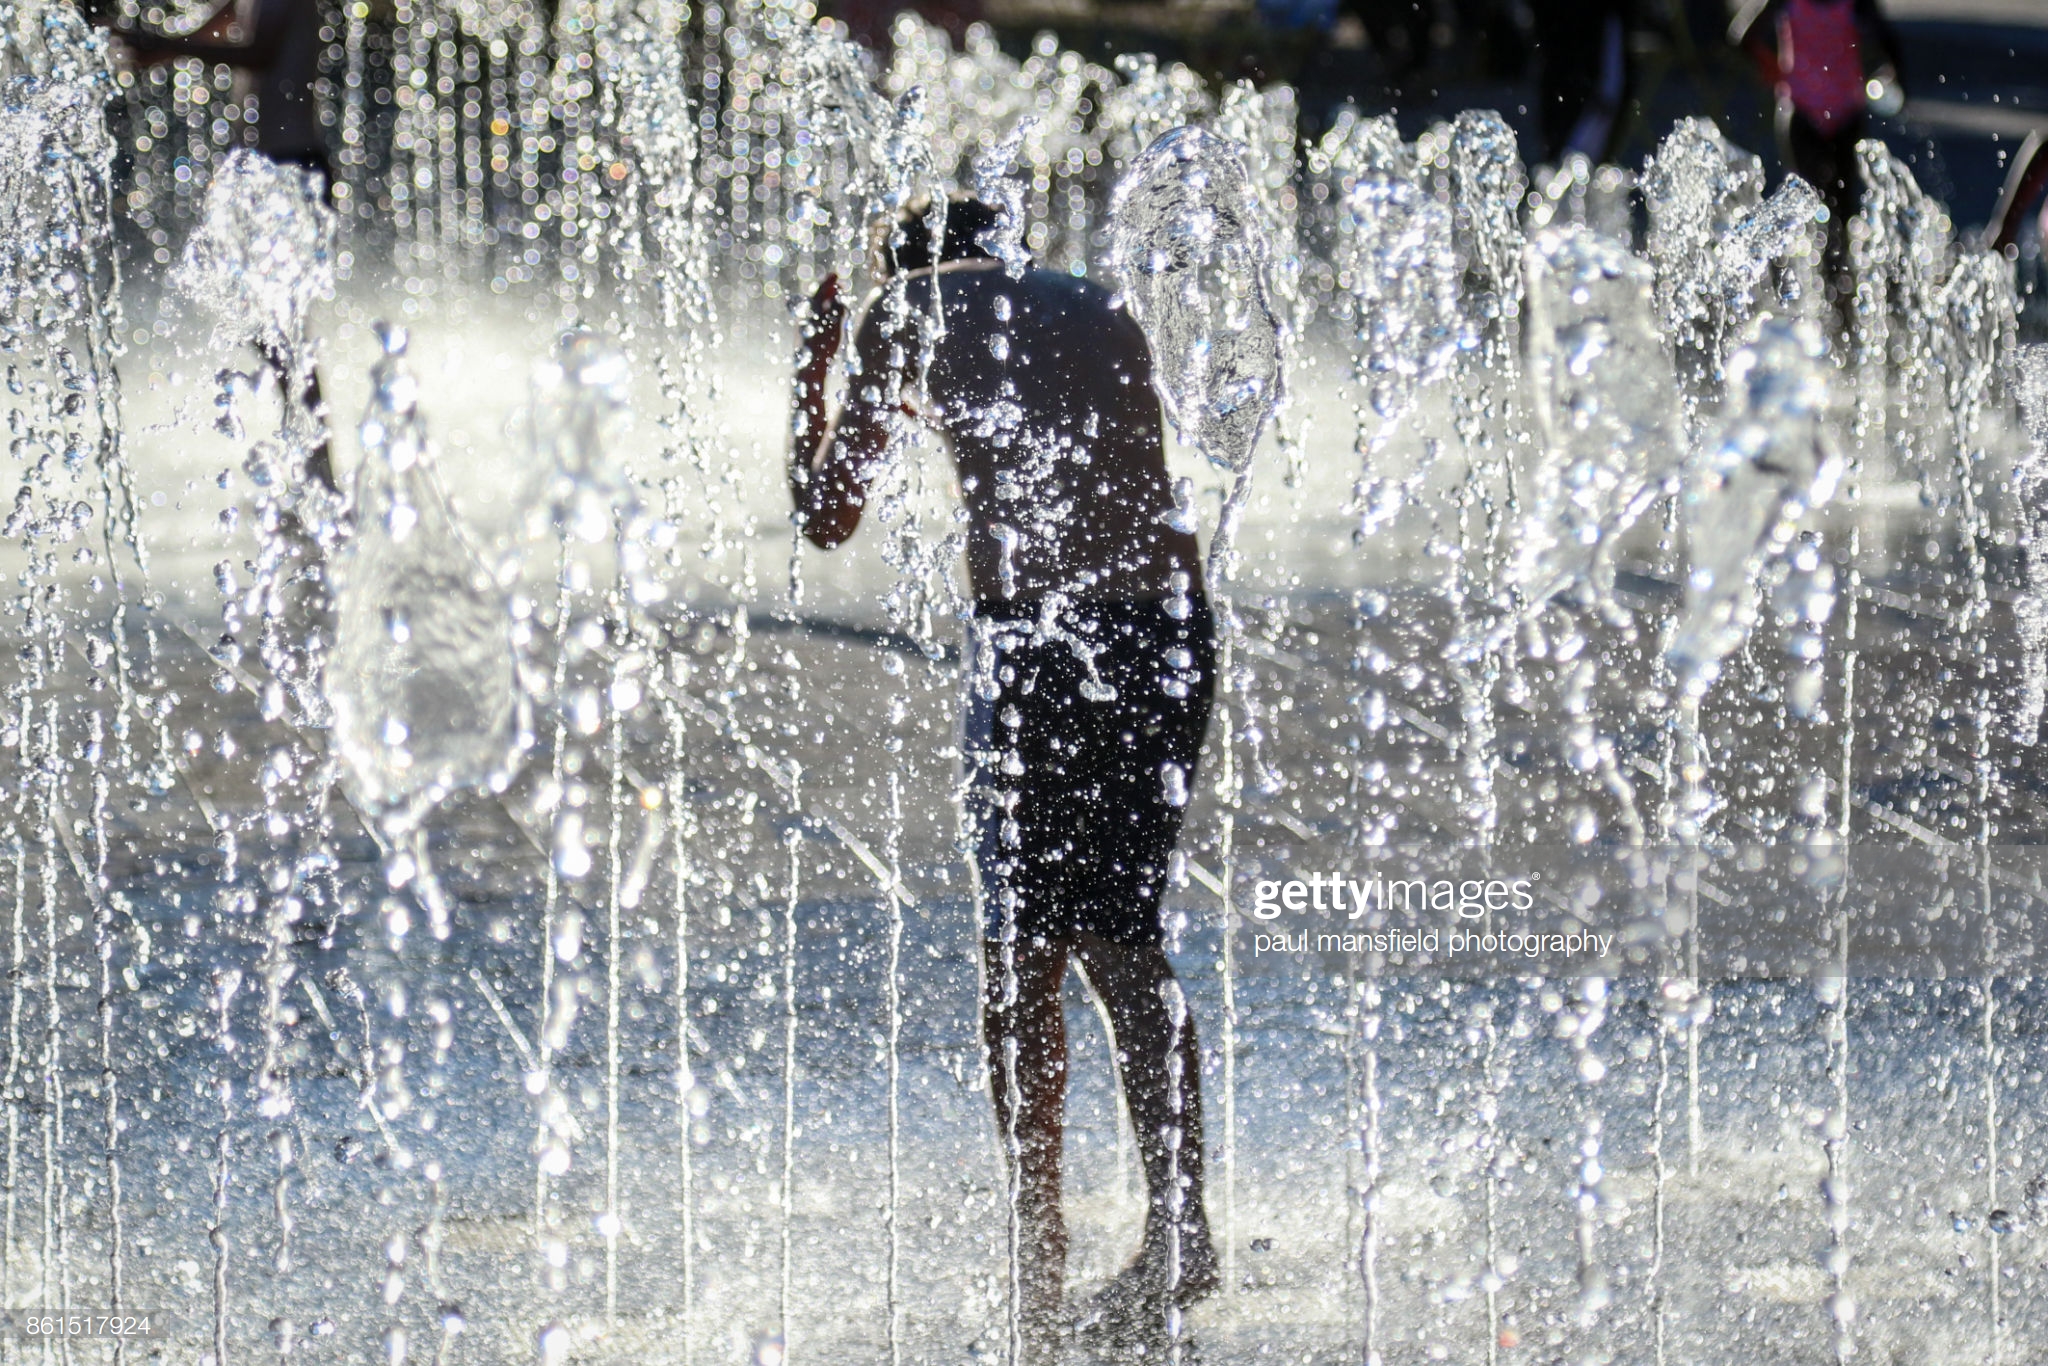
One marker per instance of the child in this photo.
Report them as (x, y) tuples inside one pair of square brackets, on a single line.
[(1813, 52)]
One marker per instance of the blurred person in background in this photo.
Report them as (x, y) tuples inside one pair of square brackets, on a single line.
[(1293, 31), (1398, 32), (869, 20), (1585, 77), (2025, 185), (1818, 55)]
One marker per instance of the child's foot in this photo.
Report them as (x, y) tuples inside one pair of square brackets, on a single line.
[(1199, 1276), (1043, 1334), (1154, 1266), (1130, 1315)]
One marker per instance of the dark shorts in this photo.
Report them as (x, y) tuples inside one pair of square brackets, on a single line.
[(1079, 773)]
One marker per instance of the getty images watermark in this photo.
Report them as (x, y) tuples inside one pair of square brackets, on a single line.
[(1450, 903), (1469, 899), (1864, 908)]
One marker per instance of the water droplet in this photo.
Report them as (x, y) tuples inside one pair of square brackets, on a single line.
[(422, 674)]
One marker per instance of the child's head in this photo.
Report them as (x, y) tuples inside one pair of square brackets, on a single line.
[(905, 243)]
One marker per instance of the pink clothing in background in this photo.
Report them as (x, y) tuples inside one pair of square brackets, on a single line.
[(869, 20), (1822, 67)]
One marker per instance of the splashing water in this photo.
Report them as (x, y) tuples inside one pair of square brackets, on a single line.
[(1151, 102), (1189, 250), (263, 255), (657, 141), (421, 676), (1908, 232), (1606, 405), (1190, 258), (1489, 185), (1404, 276), (1697, 188), (1263, 122), (1783, 235), (1900, 250), (1579, 193), (649, 73), (1977, 303), (975, 97), (835, 93), (55, 158), (579, 404), (2030, 484), (57, 43), (1771, 463), (995, 181), (1355, 147), (696, 1050)]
